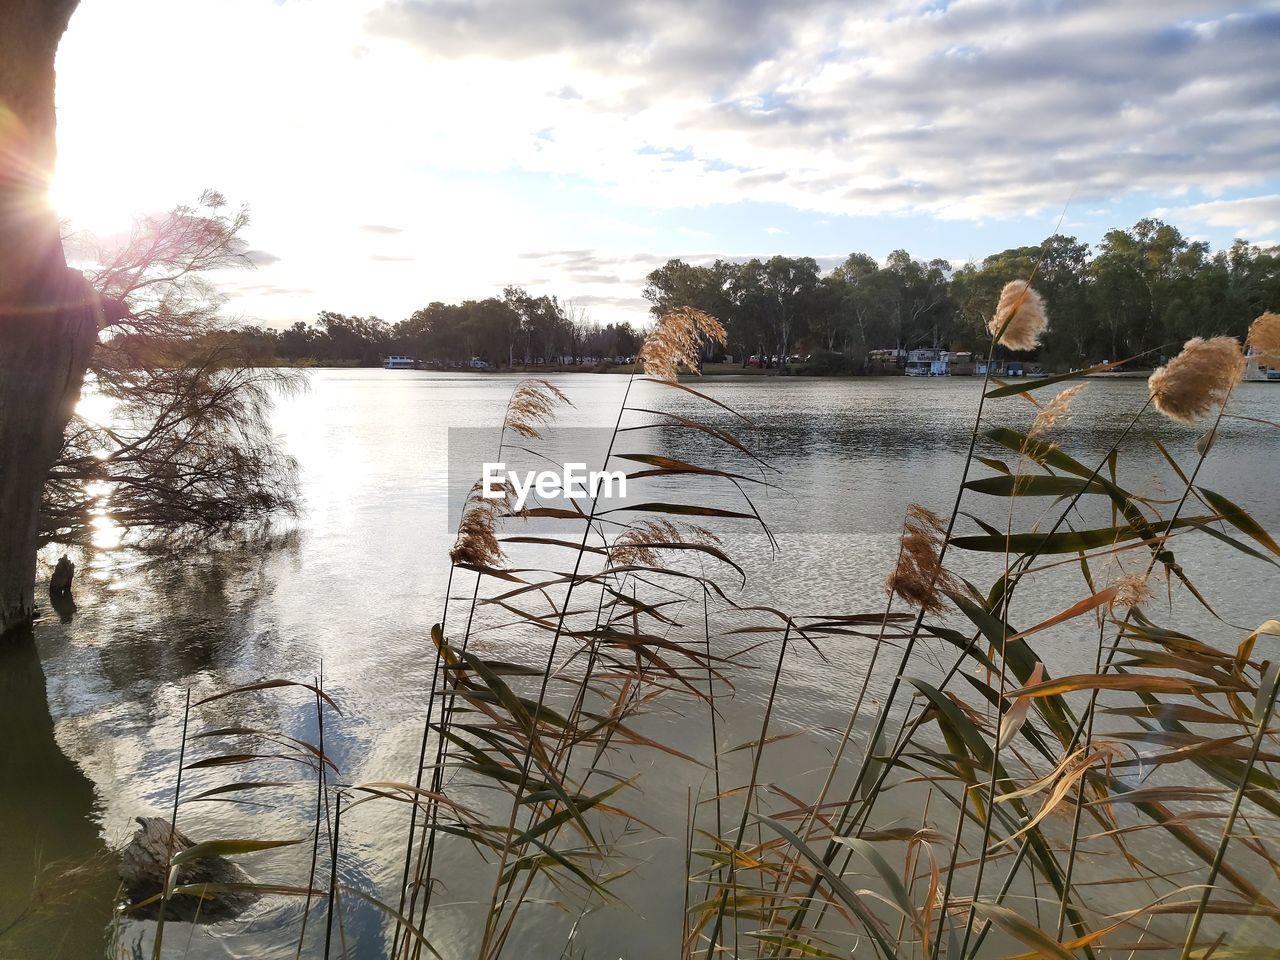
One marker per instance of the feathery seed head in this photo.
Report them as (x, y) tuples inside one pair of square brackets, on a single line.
[(477, 541), (1132, 590), (676, 339), (1056, 411), (1201, 377), (1264, 336), (638, 544), (1023, 310), (919, 577), (531, 407)]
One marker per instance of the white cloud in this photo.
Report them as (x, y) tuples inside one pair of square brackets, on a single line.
[(1247, 217), (976, 108)]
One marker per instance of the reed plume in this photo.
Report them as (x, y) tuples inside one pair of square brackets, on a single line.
[(531, 407), (676, 339), (477, 542), (638, 544), (919, 577), (1131, 590), (1056, 412), (1023, 310), (1201, 377), (1264, 337)]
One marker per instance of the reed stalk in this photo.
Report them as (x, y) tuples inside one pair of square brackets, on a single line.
[(1266, 700), (158, 945)]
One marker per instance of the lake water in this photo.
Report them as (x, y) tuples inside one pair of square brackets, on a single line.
[(361, 579)]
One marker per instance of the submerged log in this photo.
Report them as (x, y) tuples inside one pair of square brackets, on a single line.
[(142, 869)]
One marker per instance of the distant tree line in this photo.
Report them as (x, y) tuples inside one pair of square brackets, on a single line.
[(514, 330), (1139, 290)]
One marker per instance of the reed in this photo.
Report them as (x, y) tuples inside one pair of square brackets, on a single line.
[(993, 806)]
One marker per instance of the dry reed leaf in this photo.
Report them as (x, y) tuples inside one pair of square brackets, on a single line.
[(1016, 715), (1059, 782), (1264, 337), (919, 578), (1080, 607), (676, 339), (1201, 377), (1022, 307)]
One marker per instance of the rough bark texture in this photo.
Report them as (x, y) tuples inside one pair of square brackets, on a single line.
[(48, 313)]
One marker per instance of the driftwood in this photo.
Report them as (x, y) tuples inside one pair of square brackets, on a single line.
[(142, 869)]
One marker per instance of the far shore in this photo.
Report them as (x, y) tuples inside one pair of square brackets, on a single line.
[(712, 370)]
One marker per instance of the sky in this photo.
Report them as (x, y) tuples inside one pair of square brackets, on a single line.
[(396, 152)]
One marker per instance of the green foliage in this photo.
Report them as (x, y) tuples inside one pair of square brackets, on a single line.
[(1142, 289), (515, 330)]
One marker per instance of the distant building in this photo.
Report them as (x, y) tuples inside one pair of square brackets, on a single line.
[(1001, 368), (952, 364), (920, 362)]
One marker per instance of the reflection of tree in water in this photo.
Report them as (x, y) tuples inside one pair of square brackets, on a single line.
[(57, 880), (134, 634), (179, 618)]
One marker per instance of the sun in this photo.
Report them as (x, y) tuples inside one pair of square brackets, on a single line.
[(92, 200)]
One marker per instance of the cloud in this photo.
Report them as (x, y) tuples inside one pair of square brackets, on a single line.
[(388, 258), (380, 228), (1251, 218), (271, 290), (962, 110), (260, 258), (630, 304), (589, 278)]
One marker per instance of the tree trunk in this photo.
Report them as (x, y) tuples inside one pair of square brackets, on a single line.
[(48, 313), (47, 806)]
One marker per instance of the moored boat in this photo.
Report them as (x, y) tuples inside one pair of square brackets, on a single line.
[(1257, 372), (399, 363)]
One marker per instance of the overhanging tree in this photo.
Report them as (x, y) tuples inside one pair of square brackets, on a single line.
[(186, 453)]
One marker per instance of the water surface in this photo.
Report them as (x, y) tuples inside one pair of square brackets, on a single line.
[(358, 583)]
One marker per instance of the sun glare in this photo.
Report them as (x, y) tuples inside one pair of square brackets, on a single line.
[(96, 408), (88, 203)]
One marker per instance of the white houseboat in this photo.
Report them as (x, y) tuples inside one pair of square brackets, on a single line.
[(1257, 371), (920, 362), (939, 363), (399, 363)]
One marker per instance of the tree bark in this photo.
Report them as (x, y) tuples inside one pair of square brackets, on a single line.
[(48, 313)]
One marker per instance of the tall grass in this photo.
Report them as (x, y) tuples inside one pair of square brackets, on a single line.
[(987, 808)]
